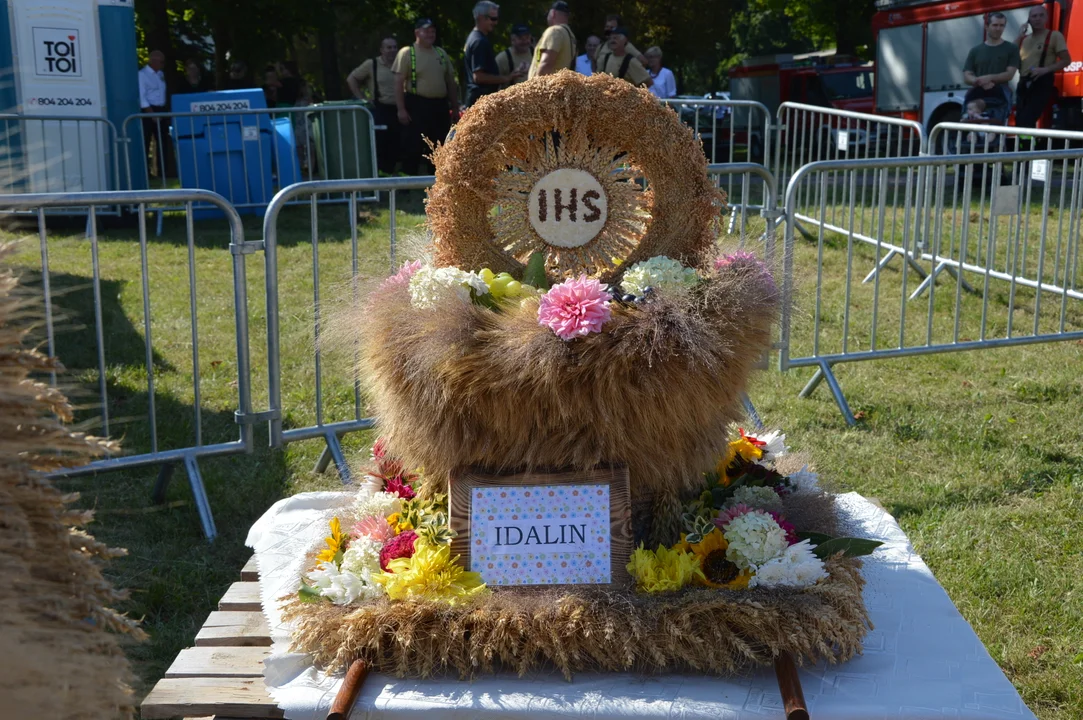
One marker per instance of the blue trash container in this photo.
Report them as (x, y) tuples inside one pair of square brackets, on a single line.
[(287, 164), (229, 154)]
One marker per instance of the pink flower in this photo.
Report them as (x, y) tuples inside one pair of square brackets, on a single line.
[(575, 308), (379, 449), (400, 487), (745, 259), (730, 514), (401, 278), (400, 546), (373, 527), (791, 531)]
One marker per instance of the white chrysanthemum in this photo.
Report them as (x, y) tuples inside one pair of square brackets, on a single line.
[(805, 479), (362, 557), (380, 504), (754, 538), (797, 567), (341, 587), (775, 448), (430, 286), (660, 273), (760, 498)]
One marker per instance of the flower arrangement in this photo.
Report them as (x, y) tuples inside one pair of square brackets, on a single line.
[(735, 535), (398, 546)]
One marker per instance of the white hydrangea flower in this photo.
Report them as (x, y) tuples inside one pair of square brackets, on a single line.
[(660, 273), (380, 504), (341, 587), (775, 448), (431, 286), (797, 567), (760, 498), (754, 538), (805, 479)]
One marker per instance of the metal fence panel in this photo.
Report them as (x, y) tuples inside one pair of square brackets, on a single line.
[(115, 347), (57, 153), (1005, 227)]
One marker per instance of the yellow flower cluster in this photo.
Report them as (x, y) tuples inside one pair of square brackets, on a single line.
[(431, 574), (662, 570), (335, 542), (741, 446)]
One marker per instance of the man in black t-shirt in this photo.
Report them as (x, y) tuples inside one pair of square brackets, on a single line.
[(482, 74)]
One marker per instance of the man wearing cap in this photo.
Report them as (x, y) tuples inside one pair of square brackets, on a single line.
[(584, 64), (374, 80), (482, 73), (612, 22), (518, 56), (556, 49), (425, 91), (620, 63)]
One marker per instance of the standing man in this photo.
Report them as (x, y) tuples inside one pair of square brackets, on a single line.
[(989, 68), (664, 84), (556, 49), (518, 56), (482, 73), (1042, 53), (612, 22), (425, 94), (152, 99), (374, 80), (584, 64), (620, 63)]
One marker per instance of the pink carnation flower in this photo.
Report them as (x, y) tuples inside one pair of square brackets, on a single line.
[(400, 487), (730, 514), (379, 448), (400, 546), (575, 308), (790, 530), (401, 278), (373, 527)]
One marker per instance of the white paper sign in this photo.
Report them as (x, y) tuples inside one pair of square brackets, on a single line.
[(249, 132), (541, 535), (1006, 200), (1039, 170), (843, 140)]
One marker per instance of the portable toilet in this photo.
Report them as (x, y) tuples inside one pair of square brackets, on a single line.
[(68, 78)]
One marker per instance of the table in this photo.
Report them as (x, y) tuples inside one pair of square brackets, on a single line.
[(922, 660)]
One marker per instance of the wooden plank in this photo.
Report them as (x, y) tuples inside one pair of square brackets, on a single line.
[(241, 596), (218, 662), (188, 697), (236, 629), (250, 571)]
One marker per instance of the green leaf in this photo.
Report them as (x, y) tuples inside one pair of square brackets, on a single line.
[(308, 594), (535, 271), (850, 547), (814, 537), (484, 300)]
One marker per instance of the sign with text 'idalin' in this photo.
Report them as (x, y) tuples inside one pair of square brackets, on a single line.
[(543, 529)]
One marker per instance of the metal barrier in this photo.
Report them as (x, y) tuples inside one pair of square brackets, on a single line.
[(111, 330), (326, 424), (993, 216), (247, 155), (57, 153)]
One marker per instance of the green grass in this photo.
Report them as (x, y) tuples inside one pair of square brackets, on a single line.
[(977, 454)]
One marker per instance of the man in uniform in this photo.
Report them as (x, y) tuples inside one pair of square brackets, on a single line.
[(612, 22), (620, 63), (374, 80), (990, 67), (556, 49), (518, 56), (425, 93), (482, 73)]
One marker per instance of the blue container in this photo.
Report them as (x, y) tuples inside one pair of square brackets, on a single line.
[(287, 164), (229, 154)]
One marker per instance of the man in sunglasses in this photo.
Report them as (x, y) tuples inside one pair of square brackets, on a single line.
[(482, 74)]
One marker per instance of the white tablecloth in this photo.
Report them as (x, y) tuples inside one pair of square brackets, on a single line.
[(922, 660)]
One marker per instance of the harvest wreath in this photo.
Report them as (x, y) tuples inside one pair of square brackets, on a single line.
[(559, 482)]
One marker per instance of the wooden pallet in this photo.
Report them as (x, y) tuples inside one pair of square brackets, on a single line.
[(222, 676)]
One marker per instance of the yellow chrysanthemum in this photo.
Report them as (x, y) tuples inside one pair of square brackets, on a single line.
[(398, 524), (431, 574), (716, 570), (663, 570), (741, 446), (335, 542)]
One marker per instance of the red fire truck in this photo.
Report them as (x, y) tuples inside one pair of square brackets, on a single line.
[(921, 47), (820, 78)]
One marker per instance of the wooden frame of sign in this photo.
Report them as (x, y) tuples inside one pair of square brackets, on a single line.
[(465, 484)]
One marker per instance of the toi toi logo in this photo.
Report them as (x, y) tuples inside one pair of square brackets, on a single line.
[(56, 51), (568, 208)]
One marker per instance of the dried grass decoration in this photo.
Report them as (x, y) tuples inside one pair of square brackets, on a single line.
[(636, 356)]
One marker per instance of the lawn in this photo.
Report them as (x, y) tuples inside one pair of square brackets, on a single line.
[(977, 454)]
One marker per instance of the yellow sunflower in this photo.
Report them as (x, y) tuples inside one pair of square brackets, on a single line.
[(430, 574), (740, 447), (717, 571), (335, 542)]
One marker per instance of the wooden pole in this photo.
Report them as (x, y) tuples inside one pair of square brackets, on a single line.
[(351, 688), (793, 699)]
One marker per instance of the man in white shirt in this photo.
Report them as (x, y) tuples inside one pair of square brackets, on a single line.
[(152, 99), (665, 85), (584, 64)]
